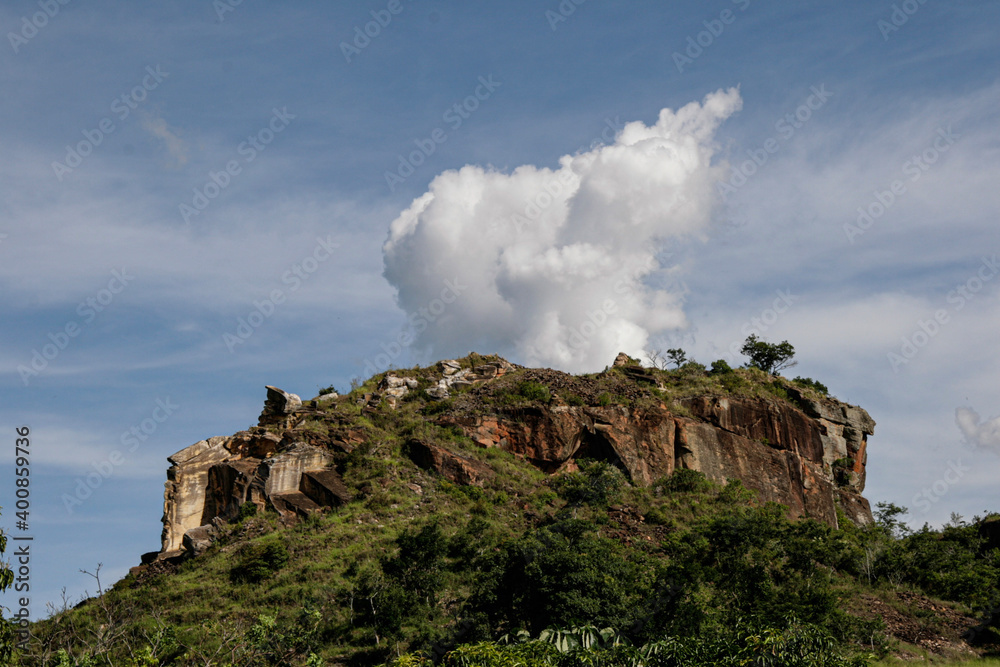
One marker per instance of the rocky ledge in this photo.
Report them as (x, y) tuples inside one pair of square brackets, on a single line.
[(806, 451)]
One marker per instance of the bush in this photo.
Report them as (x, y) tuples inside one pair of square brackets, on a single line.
[(257, 562), (597, 483), (815, 384), (720, 367), (247, 510), (564, 574), (534, 391), (327, 390), (685, 481)]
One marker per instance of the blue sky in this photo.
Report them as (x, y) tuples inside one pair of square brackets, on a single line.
[(289, 140)]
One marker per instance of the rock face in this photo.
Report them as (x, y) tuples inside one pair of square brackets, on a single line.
[(810, 458), (211, 480), (807, 453)]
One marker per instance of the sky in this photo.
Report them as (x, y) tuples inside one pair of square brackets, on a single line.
[(203, 198)]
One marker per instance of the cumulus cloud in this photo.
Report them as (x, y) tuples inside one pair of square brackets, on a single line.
[(978, 434), (558, 266)]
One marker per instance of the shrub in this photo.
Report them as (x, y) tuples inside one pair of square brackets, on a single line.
[(692, 368), (257, 562), (815, 384), (597, 483), (684, 480), (247, 510), (720, 367), (534, 391), (776, 389), (327, 390)]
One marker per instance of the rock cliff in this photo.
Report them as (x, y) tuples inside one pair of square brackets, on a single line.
[(788, 444)]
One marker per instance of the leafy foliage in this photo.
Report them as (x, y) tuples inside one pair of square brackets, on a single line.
[(769, 357), (684, 480), (257, 561), (815, 384), (597, 483)]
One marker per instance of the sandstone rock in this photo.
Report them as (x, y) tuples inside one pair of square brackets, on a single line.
[(775, 449), (197, 540), (325, 399), (210, 480), (622, 360), (393, 386), (452, 465), (325, 487), (282, 473), (279, 407), (449, 367), (293, 505), (438, 391)]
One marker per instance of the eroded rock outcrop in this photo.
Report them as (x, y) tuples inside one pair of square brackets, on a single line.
[(807, 452), (211, 480)]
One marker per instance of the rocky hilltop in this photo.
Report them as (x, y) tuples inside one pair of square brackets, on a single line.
[(785, 441)]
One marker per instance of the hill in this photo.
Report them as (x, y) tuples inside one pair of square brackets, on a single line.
[(430, 512)]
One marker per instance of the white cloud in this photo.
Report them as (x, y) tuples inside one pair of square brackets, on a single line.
[(978, 433), (550, 263)]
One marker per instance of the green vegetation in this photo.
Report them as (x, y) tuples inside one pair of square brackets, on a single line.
[(578, 568), (8, 629), (815, 384), (769, 357), (258, 561)]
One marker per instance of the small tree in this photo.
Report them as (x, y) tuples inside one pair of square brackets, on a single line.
[(677, 356), (769, 357), (674, 355)]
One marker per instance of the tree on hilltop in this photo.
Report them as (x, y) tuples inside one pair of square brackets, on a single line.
[(768, 357)]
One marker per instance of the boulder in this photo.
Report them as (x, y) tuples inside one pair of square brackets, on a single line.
[(197, 540), (456, 467), (325, 487), (279, 407)]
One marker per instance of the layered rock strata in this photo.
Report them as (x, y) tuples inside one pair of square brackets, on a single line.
[(807, 453)]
